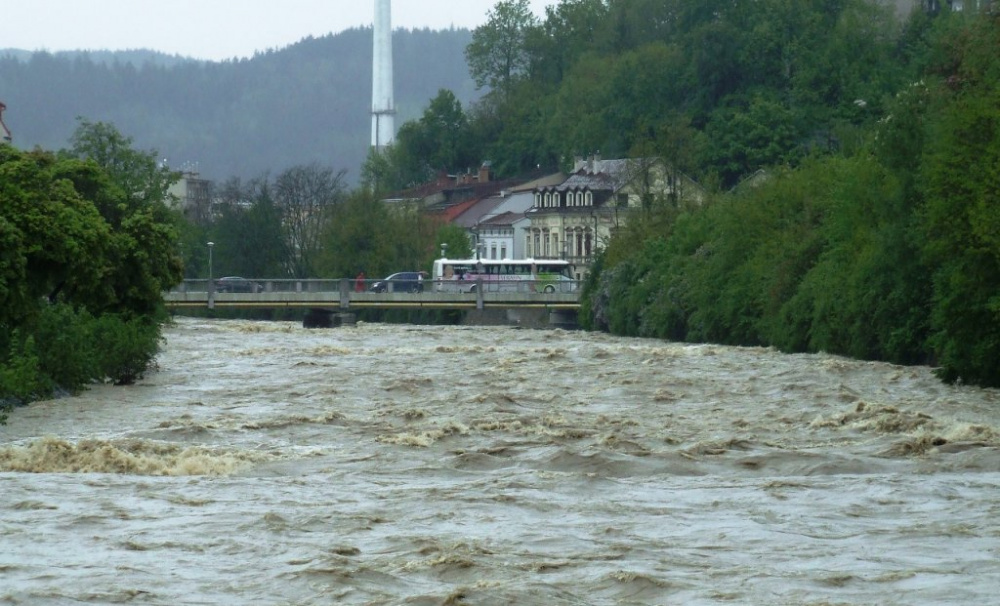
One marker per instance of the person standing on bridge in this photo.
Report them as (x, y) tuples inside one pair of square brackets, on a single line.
[(359, 282)]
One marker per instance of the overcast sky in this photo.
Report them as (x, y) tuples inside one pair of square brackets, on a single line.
[(214, 29)]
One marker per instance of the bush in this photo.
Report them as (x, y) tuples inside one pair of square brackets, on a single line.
[(21, 378), (65, 344), (124, 348)]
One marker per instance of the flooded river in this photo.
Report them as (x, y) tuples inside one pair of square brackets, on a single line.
[(266, 464)]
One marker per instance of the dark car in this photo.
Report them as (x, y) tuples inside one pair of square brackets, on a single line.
[(236, 284), (404, 281)]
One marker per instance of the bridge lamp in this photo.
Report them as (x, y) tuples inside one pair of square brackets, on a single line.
[(211, 245)]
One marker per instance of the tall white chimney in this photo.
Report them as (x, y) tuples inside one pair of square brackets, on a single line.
[(383, 111)]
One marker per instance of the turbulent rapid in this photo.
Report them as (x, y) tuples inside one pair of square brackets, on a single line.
[(262, 463)]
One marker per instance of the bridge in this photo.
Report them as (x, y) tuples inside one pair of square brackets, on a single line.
[(340, 295)]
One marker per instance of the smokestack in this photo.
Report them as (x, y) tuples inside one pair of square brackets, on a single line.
[(383, 111)]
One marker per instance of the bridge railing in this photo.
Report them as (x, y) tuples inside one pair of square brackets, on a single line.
[(266, 285), (354, 285)]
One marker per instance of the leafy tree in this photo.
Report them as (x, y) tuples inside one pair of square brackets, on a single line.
[(439, 141), (497, 55), (960, 173), (445, 128), (247, 232), (746, 137), (571, 30), (378, 172), (456, 239), (84, 242), (363, 235), (56, 245), (130, 192)]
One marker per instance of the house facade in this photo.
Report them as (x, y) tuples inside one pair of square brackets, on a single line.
[(574, 219)]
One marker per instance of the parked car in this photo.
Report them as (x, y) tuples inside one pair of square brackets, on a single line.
[(236, 284), (404, 281)]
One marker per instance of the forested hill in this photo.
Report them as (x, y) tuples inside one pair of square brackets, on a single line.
[(308, 102)]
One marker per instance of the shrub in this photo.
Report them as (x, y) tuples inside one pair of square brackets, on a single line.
[(21, 379), (124, 348)]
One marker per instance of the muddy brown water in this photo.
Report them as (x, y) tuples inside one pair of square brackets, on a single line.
[(262, 463)]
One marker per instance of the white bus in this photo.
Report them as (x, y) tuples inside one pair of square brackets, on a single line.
[(499, 275)]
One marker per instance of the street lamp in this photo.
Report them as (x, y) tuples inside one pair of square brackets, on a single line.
[(211, 284)]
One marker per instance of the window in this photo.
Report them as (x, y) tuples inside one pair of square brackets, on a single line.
[(589, 198), (503, 251), (493, 251)]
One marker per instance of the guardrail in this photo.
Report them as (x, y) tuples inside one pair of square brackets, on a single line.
[(349, 293)]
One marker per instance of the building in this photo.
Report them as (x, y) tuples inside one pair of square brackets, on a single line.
[(192, 195), (491, 222), (574, 219)]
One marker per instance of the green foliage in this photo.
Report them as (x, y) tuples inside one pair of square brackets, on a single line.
[(746, 137), (56, 242), (124, 348), (21, 378), (247, 234), (497, 55), (960, 181), (129, 189), (887, 248), (65, 347), (457, 240), (440, 141), (88, 248), (367, 236)]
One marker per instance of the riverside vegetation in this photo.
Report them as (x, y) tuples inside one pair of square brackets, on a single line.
[(851, 160), (88, 249)]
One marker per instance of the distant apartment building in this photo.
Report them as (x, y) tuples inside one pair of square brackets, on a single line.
[(192, 195)]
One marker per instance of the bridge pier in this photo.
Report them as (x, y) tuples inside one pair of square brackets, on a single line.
[(320, 318), (328, 318), (564, 318)]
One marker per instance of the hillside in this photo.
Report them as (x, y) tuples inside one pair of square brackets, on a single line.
[(308, 102)]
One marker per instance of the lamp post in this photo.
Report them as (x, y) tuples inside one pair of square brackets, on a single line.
[(211, 283)]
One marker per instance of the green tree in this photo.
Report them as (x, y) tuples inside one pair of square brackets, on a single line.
[(56, 245), (247, 232), (130, 192), (960, 173), (498, 55), (571, 29)]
